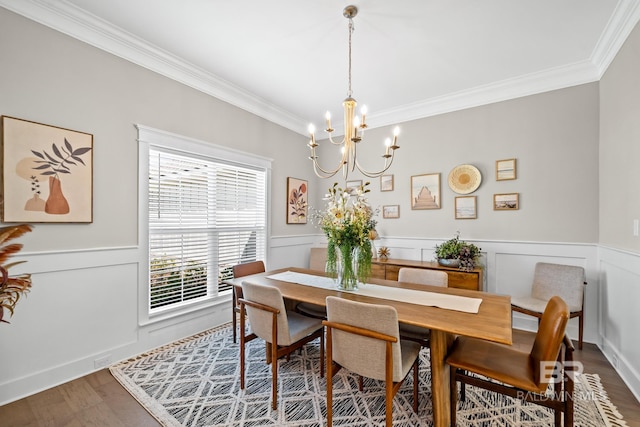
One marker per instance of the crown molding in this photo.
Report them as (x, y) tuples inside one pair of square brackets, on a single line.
[(75, 22), (530, 84), (623, 20), (68, 19)]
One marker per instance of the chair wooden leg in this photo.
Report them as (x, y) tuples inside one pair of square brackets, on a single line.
[(329, 380), (415, 386), (580, 330), (242, 343), (568, 396), (322, 355), (453, 390), (389, 386), (274, 381), (557, 413), (360, 383), (388, 404), (233, 312), (274, 362)]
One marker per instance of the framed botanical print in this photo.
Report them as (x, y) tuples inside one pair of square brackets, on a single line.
[(466, 207), (47, 173), (297, 201), (425, 191), (507, 201), (505, 169)]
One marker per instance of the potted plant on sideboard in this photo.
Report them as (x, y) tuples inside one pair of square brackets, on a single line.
[(457, 253)]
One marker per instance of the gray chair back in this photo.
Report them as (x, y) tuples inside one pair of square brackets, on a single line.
[(566, 281), (423, 276), (260, 320), (318, 259), (362, 355)]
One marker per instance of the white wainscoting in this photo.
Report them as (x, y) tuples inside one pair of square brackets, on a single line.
[(84, 306), (619, 299), (83, 310)]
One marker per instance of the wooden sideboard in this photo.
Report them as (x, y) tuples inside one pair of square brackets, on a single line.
[(388, 269)]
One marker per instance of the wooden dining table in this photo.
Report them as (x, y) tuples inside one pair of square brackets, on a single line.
[(492, 321)]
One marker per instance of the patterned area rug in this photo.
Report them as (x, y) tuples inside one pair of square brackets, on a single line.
[(195, 382)]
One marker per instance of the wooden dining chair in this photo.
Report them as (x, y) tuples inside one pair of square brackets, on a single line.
[(284, 331), (241, 270), (520, 374), (420, 276), (364, 339), (566, 281)]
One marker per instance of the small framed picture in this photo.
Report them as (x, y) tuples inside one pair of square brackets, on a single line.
[(466, 207), (386, 183), (391, 211), (352, 186), (425, 191), (506, 202), (505, 169), (297, 200)]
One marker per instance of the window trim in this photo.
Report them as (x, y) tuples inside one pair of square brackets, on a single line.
[(151, 137)]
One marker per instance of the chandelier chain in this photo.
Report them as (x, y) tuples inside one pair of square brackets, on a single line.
[(349, 92)]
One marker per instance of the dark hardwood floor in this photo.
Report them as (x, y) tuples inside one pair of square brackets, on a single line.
[(99, 400)]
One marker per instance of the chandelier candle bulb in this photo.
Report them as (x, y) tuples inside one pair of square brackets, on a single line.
[(363, 111), (327, 116), (312, 130), (396, 132)]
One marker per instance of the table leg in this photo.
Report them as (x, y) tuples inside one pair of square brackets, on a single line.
[(440, 343)]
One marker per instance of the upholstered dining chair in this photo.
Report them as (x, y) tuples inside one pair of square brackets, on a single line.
[(566, 281), (364, 339), (284, 331), (520, 374), (241, 270), (318, 259), (317, 262), (420, 276)]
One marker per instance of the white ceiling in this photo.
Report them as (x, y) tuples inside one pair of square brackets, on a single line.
[(286, 60)]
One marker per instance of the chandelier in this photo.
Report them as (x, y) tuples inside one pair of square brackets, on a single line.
[(354, 128)]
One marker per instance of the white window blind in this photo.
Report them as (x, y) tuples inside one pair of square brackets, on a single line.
[(205, 215)]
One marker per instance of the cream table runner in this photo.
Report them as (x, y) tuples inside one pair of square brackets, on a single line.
[(433, 299)]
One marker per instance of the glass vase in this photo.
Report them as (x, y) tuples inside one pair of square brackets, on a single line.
[(347, 268)]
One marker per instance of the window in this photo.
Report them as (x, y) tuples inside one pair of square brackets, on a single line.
[(204, 215)]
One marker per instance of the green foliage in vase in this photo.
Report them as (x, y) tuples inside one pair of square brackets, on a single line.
[(454, 248), (347, 222)]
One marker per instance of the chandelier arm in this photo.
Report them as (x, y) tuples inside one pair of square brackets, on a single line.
[(387, 164), (323, 173), (336, 142)]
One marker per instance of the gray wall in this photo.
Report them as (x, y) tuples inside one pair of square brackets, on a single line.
[(553, 136), (619, 205), (50, 78), (620, 147)]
